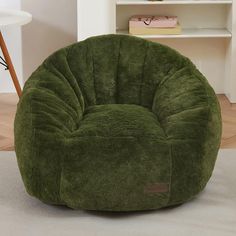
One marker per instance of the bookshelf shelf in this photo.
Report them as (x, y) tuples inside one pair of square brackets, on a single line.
[(189, 33), (173, 2)]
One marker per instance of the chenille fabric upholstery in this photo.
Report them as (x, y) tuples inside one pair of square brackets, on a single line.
[(117, 123)]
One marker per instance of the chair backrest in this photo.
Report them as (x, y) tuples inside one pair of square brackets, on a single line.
[(116, 68)]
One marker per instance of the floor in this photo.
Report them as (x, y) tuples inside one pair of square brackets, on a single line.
[(8, 108), (213, 212), (229, 123), (7, 113)]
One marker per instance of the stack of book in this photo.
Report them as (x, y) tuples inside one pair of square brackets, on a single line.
[(149, 25)]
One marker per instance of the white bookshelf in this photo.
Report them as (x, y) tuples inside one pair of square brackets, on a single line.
[(208, 37), (188, 33), (167, 2)]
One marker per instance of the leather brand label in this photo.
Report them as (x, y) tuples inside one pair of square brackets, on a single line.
[(157, 188)]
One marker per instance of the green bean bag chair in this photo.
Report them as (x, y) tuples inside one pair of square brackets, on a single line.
[(117, 123)]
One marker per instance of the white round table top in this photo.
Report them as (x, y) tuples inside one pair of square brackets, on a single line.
[(10, 17)]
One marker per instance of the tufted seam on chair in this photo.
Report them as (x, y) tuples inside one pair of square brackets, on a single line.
[(143, 71), (117, 73), (180, 112), (82, 92), (164, 80), (61, 74), (53, 93), (56, 122), (93, 71), (171, 76), (81, 102)]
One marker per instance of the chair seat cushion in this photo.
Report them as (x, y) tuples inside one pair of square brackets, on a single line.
[(119, 153), (120, 120)]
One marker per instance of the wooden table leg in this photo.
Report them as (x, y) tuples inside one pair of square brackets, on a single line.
[(10, 65)]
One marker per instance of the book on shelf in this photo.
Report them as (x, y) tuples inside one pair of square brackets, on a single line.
[(149, 21), (148, 25), (152, 31)]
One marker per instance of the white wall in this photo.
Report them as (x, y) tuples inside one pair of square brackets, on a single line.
[(54, 26), (95, 17), (13, 40)]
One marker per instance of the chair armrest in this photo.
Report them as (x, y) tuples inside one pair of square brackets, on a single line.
[(186, 106)]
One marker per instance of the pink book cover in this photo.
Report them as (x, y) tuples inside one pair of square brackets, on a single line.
[(153, 21)]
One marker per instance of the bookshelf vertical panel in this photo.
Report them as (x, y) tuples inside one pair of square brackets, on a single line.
[(230, 62)]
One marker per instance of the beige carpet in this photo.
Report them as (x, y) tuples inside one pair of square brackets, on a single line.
[(212, 213)]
